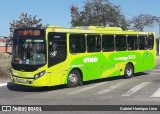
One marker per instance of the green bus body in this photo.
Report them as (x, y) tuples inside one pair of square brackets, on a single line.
[(83, 54)]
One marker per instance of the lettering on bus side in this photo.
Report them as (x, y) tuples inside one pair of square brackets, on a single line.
[(129, 57), (90, 59)]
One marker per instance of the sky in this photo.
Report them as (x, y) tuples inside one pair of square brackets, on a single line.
[(57, 12)]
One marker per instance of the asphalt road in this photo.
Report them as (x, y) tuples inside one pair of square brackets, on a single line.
[(143, 89)]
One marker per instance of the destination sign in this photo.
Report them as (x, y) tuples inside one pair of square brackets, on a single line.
[(28, 32)]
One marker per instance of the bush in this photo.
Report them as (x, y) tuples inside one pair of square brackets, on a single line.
[(5, 61), (4, 72)]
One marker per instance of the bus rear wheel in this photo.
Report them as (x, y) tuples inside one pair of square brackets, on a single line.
[(129, 71), (74, 79)]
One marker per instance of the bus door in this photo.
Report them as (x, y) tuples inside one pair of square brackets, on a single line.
[(57, 53), (92, 66)]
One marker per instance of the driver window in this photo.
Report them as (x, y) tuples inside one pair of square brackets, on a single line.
[(57, 50), (53, 49)]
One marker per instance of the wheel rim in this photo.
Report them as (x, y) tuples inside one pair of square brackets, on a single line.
[(129, 72), (73, 78)]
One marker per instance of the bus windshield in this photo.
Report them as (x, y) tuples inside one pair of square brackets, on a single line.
[(29, 51)]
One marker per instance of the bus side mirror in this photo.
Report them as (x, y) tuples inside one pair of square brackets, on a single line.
[(8, 47)]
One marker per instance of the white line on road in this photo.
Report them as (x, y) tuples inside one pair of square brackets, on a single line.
[(87, 88), (156, 94), (3, 84), (135, 89), (110, 89)]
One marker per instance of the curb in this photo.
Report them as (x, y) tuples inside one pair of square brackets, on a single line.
[(3, 84)]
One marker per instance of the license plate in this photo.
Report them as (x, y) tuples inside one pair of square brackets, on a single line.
[(21, 81)]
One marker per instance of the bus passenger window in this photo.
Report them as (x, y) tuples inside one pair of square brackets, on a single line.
[(142, 42), (77, 43), (120, 43), (132, 43), (107, 43), (150, 42), (93, 43)]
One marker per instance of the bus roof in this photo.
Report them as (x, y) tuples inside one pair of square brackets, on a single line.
[(94, 30)]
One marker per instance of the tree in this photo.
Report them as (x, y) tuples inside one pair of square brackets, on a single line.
[(98, 13), (25, 20), (143, 20)]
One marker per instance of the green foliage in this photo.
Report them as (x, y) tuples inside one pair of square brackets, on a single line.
[(98, 13), (25, 20)]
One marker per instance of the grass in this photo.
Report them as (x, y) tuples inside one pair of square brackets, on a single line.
[(5, 61)]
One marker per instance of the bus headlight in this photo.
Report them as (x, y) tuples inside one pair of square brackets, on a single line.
[(39, 75)]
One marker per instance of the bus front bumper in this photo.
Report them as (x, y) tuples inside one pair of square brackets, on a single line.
[(40, 82)]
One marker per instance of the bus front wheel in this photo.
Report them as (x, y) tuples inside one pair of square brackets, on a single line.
[(74, 79), (129, 71)]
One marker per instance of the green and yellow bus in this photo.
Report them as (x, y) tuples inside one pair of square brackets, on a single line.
[(57, 55)]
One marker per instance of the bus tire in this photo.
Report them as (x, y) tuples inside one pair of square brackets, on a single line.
[(74, 79), (129, 71)]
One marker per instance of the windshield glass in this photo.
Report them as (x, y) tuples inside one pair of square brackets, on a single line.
[(29, 51)]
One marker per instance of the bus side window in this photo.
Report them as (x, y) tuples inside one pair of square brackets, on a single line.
[(77, 43), (53, 49), (142, 42), (150, 42), (107, 43), (57, 49), (132, 43), (93, 43), (121, 44)]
